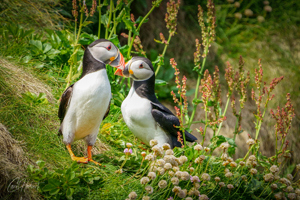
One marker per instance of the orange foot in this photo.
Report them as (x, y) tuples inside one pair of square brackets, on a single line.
[(96, 163), (80, 159), (89, 151), (75, 158)]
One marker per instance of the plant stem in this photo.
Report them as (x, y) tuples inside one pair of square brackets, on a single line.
[(236, 124), (276, 145), (204, 132), (248, 152), (138, 28), (163, 53), (109, 18), (99, 25), (225, 110), (197, 86), (80, 26)]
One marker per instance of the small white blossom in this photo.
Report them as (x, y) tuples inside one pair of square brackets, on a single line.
[(274, 186), (205, 176), (253, 171), (206, 149), (155, 148), (182, 193), (183, 159), (233, 164), (274, 169), (169, 152), (132, 195), (146, 198), (228, 174), (291, 196), (162, 184), (166, 146), (224, 146), (171, 173), (285, 181), (290, 177), (176, 189), (167, 166), (252, 158), (174, 180), (160, 162), (198, 147), (128, 145), (203, 197), (224, 156), (153, 143), (150, 157), (175, 169), (269, 177), (152, 175), (185, 176), (144, 180), (149, 189), (289, 189), (230, 186), (222, 184), (250, 141)]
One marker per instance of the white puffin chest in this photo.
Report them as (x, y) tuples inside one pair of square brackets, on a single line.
[(137, 115), (90, 100)]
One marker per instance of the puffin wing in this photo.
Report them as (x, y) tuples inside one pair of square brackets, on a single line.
[(169, 123), (107, 111), (64, 103)]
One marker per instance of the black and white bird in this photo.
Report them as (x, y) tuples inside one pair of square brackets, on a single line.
[(145, 116), (86, 103)]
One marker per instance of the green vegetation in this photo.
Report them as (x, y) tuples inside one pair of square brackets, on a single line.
[(38, 62)]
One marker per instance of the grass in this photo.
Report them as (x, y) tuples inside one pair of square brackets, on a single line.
[(33, 120)]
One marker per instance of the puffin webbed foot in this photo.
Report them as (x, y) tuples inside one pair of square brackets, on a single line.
[(75, 158), (80, 159), (89, 151)]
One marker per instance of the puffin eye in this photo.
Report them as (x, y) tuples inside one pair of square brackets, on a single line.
[(141, 66), (108, 48)]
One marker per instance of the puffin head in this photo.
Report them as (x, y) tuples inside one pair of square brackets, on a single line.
[(139, 69), (106, 52)]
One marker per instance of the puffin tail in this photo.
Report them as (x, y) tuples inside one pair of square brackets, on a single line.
[(189, 137)]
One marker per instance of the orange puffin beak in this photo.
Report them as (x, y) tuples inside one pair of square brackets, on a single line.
[(121, 66), (119, 63)]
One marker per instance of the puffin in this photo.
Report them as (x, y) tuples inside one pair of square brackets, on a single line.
[(86, 103), (144, 115)]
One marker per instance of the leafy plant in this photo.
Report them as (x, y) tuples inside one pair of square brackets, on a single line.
[(34, 99), (62, 183)]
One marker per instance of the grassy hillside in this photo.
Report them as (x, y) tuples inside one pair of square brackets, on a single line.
[(41, 54)]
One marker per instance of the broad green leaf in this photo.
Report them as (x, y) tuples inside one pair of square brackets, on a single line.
[(139, 19), (86, 23), (46, 47), (54, 191), (160, 82), (69, 193), (26, 59), (40, 163), (74, 181), (37, 44)]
